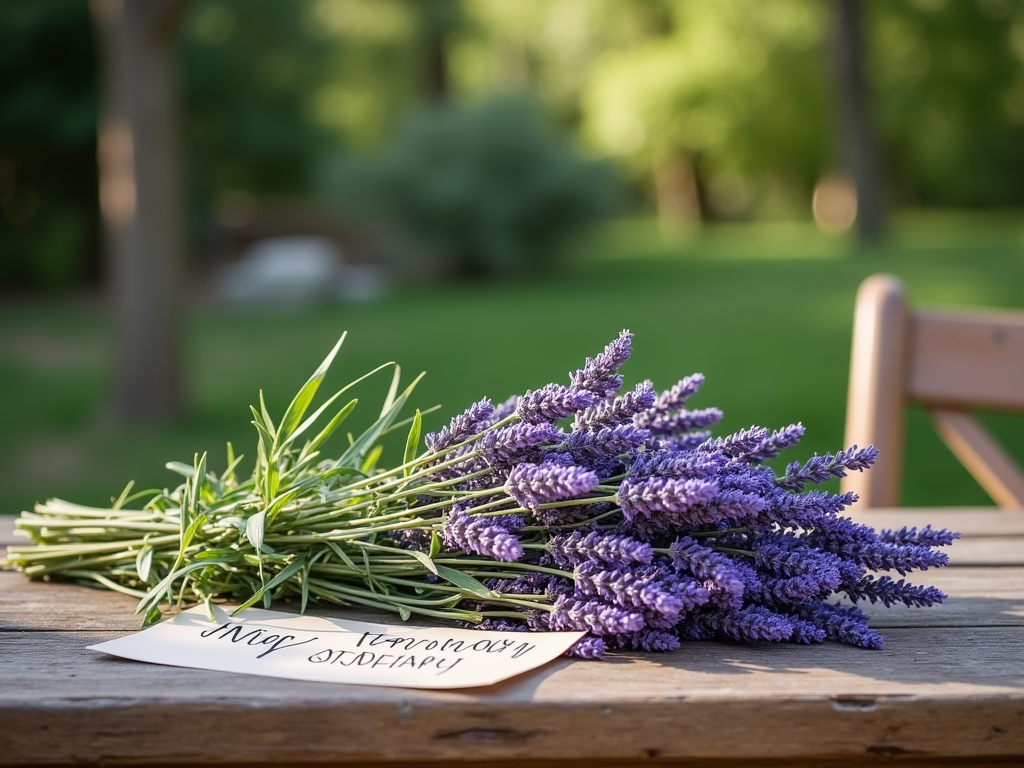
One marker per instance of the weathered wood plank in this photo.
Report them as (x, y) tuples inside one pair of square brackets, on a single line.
[(979, 596), (923, 695)]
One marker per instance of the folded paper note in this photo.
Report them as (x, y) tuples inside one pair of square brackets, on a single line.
[(275, 644)]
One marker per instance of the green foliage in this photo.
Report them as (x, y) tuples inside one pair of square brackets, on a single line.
[(739, 88), (481, 190), (48, 198), (248, 68), (948, 91)]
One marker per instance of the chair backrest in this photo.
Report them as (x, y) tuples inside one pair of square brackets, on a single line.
[(944, 361)]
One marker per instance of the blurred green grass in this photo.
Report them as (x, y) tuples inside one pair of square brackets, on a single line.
[(765, 311)]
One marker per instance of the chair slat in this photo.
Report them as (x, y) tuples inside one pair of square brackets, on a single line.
[(961, 360), (984, 458)]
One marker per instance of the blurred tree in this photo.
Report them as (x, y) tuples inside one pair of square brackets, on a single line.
[(250, 72), (947, 82), (480, 190), (140, 201), (856, 127), (724, 109), (49, 220)]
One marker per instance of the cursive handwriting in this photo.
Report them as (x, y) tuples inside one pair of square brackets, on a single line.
[(257, 637)]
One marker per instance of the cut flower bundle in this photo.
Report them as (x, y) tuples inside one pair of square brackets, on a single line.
[(571, 507)]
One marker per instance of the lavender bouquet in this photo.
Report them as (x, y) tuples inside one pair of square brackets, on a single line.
[(572, 507)]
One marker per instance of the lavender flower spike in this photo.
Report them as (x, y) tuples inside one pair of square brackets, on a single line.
[(653, 495), (553, 402), (575, 548), (534, 484), (487, 536), (818, 469), (600, 373), (473, 420)]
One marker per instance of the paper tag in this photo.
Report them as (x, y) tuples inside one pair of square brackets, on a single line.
[(275, 644)]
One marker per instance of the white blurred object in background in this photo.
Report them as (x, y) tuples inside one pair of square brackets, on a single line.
[(297, 271)]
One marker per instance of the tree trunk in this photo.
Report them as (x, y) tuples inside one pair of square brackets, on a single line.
[(857, 137), (677, 195), (140, 206)]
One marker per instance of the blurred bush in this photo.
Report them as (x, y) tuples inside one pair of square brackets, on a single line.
[(482, 190)]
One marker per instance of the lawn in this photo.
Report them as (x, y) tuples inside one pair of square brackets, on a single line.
[(765, 311)]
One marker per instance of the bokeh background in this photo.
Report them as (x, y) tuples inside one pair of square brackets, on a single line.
[(487, 190)]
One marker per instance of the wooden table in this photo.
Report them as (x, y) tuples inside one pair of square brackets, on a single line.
[(948, 689)]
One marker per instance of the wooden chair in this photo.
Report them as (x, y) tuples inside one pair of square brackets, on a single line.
[(944, 361)]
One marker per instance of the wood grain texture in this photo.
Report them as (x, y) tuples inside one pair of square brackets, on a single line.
[(961, 359)]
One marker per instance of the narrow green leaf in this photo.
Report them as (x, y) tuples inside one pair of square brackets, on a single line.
[(363, 443), (143, 562), (332, 425), (153, 615), (412, 442), (197, 485), (462, 581), (392, 390), (233, 462), (157, 592), (300, 403), (371, 460), (119, 502), (342, 554), (425, 561), (180, 468), (435, 544), (319, 411), (404, 612), (254, 528), (227, 554), (267, 421)]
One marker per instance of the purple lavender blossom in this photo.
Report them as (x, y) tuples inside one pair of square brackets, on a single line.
[(676, 464), (530, 583), (534, 484), (587, 647), (651, 640), (600, 373), (673, 499), (719, 574), (553, 402), (796, 589), (749, 624), (819, 469), (806, 510), (889, 592), (569, 550), (845, 624), (645, 587), (680, 442), (621, 410), (606, 441), (786, 555), (861, 544), (470, 422), (805, 632), (506, 409), (670, 401), (926, 537), (685, 421), (487, 536), (592, 615), (511, 445)]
